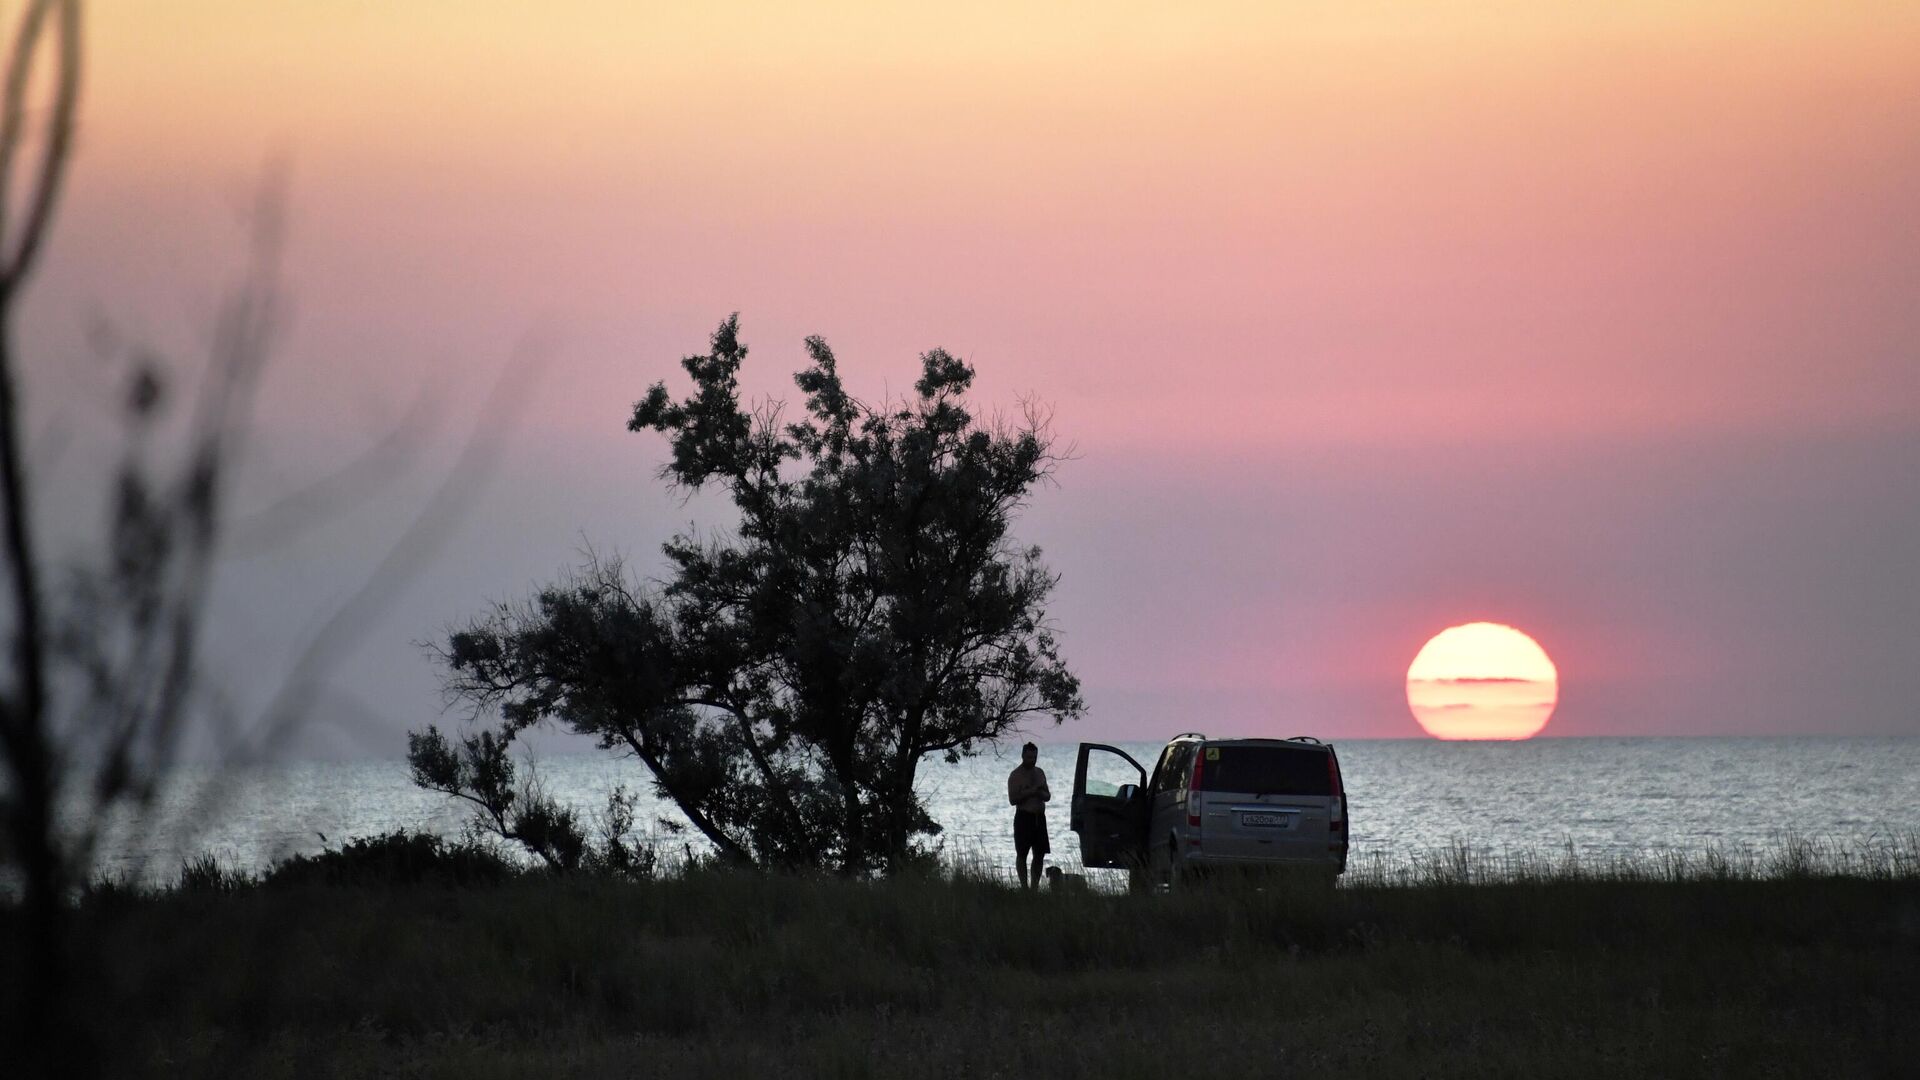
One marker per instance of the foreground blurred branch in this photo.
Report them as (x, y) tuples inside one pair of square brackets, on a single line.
[(103, 665), (31, 792)]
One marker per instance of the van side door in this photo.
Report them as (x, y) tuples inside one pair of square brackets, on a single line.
[(1109, 808), (1163, 798)]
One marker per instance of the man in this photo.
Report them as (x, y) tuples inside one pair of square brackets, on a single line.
[(1027, 791)]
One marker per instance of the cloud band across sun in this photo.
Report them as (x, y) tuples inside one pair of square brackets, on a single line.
[(1482, 681)]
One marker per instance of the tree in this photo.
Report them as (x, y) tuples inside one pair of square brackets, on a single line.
[(783, 684)]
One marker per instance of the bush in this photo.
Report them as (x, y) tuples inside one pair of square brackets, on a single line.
[(111, 890), (204, 874), (397, 858)]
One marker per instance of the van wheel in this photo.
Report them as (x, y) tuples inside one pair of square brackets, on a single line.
[(1183, 876)]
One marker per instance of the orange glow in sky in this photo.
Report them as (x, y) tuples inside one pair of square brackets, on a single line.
[(1518, 219), (1356, 315), (1482, 681)]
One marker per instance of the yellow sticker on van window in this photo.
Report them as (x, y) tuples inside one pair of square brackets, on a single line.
[(1213, 753)]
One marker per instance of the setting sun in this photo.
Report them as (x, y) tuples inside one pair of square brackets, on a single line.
[(1482, 681)]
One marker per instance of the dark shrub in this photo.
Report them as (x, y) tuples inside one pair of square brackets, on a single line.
[(397, 858), (205, 875)]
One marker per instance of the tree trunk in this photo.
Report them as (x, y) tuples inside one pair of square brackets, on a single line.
[(775, 787), (906, 762), (900, 804), (851, 828), (729, 847)]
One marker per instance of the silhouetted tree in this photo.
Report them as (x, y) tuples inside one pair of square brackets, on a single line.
[(869, 609)]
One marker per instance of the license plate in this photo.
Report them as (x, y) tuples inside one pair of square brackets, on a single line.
[(1272, 821)]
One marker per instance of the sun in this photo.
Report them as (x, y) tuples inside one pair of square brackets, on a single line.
[(1482, 680)]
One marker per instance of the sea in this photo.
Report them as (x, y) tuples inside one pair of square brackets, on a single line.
[(1590, 799)]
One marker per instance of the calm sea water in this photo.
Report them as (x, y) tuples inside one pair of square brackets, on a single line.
[(1600, 797)]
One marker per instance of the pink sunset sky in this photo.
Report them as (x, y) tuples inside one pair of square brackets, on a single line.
[(1363, 319)]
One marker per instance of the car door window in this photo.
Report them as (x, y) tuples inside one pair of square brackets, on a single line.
[(1107, 772)]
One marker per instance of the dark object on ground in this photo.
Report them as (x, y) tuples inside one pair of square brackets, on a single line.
[(1059, 880)]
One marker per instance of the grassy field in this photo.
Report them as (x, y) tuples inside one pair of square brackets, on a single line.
[(1468, 968)]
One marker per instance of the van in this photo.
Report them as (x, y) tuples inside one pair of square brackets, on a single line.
[(1211, 804)]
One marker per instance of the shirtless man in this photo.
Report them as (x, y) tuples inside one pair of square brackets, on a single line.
[(1027, 791)]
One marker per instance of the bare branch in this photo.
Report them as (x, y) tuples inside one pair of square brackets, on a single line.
[(53, 161)]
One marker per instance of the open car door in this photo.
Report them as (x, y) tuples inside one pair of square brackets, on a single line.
[(1110, 806)]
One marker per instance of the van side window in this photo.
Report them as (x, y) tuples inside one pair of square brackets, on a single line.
[(1162, 772), (1182, 767)]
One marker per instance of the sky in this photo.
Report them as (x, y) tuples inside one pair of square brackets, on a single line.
[(1362, 320)]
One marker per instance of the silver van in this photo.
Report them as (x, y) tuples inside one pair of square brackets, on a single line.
[(1211, 804)]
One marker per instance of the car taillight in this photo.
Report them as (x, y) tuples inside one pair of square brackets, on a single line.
[(1339, 794), (1193, 791)]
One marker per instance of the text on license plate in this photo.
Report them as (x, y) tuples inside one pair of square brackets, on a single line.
[(1280, 821)]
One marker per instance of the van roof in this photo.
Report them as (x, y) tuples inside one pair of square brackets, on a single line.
[(1303, 741)]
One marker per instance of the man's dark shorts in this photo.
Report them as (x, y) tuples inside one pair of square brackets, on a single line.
[(1030, 834)]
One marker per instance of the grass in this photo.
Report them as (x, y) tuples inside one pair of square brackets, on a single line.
[(1464, 965)]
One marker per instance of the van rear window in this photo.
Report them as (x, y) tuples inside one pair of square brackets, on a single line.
[(1266, 770)]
